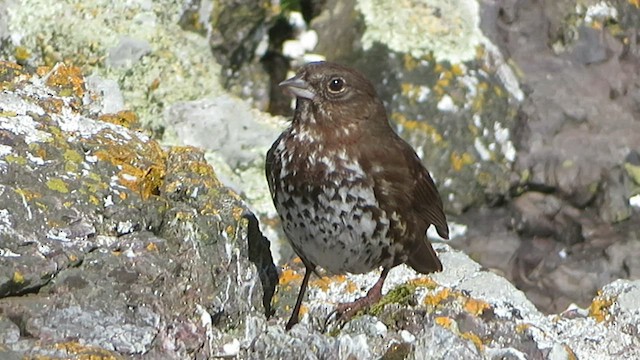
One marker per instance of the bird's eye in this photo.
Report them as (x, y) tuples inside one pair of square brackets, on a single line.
[(336, 85)]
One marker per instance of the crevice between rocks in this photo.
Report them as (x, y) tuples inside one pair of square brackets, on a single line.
[(260, 255)]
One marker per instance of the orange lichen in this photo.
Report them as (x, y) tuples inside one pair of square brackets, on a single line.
[(476, 307), (141, 171), (423, 281), (68, 80), (237, 213), (10, 73), (445, 322), (289, 275), (51, 105), (599, 308), (437, 298), (88, 352), (522, 328), (28, 194), (9, 65), (475, 339), (325, 281), (126, 118)]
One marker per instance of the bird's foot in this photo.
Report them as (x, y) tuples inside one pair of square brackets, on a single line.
[(346, 311)]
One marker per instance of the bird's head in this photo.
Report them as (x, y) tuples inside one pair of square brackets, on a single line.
[(333, 94)]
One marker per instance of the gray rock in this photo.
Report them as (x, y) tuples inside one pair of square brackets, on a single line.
[(127, 52), (112, 99), (112, 246)]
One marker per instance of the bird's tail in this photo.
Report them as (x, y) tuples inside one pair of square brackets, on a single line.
[(423, 258)]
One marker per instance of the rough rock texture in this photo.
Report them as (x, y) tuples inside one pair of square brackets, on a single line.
[(109, 244), (139, 44), (112, 247)]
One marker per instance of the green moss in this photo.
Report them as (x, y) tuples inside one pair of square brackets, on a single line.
[(402, 295)]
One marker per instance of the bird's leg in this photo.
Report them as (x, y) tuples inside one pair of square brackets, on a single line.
[(348, 310), (296, 309)]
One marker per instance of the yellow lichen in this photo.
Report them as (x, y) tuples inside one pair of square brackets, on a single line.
[(57, 185), (152, 247), (72, 155), (457, 70), (417, 125), (18, 278), (229, 230), (409, 62), (458, 161), (13, 159), (635, 3), (8, 114)]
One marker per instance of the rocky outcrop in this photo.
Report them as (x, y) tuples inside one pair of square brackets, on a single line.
[(113, 247), (110, 244)]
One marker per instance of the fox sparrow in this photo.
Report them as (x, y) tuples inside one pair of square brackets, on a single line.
[(351, 194)]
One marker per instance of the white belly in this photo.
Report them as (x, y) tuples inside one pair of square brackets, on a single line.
[(337, 229)]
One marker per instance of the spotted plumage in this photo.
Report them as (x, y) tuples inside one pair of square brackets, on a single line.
[(351, 194)]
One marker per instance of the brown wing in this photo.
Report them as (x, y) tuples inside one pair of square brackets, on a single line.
[(427, 200), (272, 167), (403, 186)]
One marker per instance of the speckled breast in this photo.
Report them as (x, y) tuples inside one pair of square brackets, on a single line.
[(329, 211)]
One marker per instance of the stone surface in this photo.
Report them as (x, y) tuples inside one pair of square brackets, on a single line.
[(111, 245), (529, 125), (139, 44)]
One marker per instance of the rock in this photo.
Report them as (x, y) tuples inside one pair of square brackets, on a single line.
[(111, 245), (138, 44), (576, 133)]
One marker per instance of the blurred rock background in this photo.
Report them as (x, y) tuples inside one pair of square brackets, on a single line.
[(527, 114)]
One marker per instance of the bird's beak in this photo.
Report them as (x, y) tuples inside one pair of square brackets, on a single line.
[(298, 87)]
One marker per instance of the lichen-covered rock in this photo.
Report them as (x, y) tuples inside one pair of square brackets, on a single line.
[(110, 244), (139, 44)]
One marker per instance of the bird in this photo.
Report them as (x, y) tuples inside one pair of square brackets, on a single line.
[(351, 194)]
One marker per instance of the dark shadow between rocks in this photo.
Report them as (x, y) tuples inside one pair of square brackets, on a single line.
[(260, 255)]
